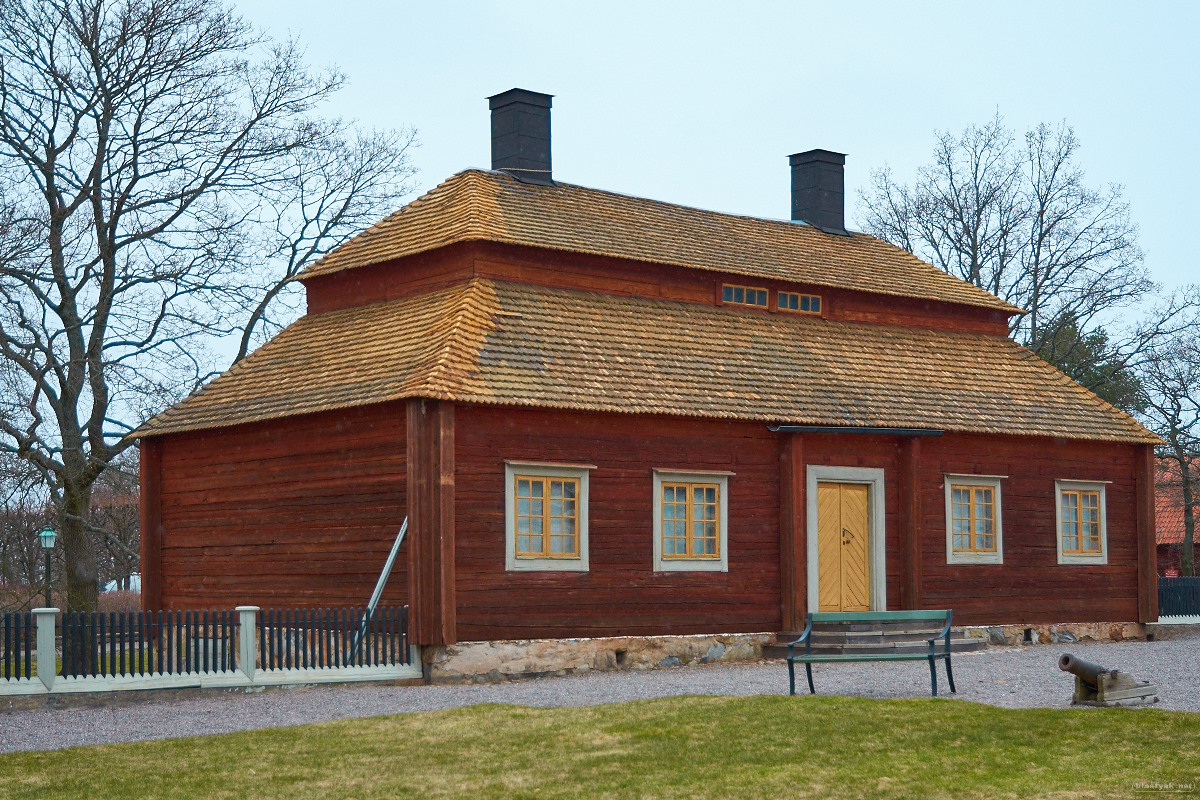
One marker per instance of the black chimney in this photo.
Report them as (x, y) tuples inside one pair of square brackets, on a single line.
[(521, 135), (819, 189)]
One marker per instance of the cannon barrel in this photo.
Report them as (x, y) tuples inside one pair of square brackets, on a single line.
[(1086, 671)]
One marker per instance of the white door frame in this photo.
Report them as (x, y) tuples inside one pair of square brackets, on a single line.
[(876, 544)]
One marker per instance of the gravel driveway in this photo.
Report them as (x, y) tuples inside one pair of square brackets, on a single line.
[(1013, 677)]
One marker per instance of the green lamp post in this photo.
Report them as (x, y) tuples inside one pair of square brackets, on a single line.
[(47, 537)]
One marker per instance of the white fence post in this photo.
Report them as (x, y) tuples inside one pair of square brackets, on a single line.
[(248, 653), (47, 658)]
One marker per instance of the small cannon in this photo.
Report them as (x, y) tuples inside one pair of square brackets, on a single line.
[(1097, 686)]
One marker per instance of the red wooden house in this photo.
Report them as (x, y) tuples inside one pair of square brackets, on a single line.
[(608, 415)]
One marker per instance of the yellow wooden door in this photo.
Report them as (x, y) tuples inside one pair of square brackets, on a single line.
[(843, 561)]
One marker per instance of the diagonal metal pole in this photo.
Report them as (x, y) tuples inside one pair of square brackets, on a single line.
[(378, 593)]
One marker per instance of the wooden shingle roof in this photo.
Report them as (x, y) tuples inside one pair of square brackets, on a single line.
[(515, 344), (493, 206)]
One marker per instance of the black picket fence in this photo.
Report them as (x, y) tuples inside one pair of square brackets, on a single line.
[(1178, 597), (96, 644), (20, 645), (307, 638)]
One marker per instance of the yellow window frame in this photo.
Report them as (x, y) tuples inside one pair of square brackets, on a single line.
[(814, 303), (1073, 499), (546, 517), (690, 507), (746, 293), (973, 516)]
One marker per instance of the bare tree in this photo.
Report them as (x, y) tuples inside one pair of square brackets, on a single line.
[(154, 155), (1015, 216), (1170, 380), (115, 520)]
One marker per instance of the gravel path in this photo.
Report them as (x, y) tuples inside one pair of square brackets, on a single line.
[(1012, 677)]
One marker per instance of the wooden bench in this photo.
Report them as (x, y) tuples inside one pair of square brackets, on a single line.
[(848, 619)]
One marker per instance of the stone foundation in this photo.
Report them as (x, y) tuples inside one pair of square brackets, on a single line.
[(1062, 633), (487, 662)]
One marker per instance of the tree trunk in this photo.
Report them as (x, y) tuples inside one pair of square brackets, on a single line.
[(79, 556), (1187, 564)]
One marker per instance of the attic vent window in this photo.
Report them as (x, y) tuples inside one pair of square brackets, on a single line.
[(744, 295), (802, 303)]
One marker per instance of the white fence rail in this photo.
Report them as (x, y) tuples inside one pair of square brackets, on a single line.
[(248, 647)]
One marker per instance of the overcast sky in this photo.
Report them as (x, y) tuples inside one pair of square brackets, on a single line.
[(700, 103)]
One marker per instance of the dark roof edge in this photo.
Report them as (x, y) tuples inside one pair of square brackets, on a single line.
[(864, 430)]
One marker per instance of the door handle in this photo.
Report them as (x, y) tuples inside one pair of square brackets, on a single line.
[(846, 536)]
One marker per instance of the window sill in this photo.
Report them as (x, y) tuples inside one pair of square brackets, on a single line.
[(547, 565)]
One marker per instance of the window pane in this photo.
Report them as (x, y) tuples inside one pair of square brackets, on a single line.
[(522, 524), (816, 305), (522, 544), (727, 293), (569, 490), (804, 301), (537, 488), (556, 489), (556, 526), (522, 488), (569, 526), (739, 295), (536, 523)]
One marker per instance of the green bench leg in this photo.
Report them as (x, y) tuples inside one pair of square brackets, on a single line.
[(808, 669), (933, 674), (791, 678), (950, 676)]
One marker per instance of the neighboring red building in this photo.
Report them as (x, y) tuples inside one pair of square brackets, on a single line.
[(608, 415), (1168, 518)]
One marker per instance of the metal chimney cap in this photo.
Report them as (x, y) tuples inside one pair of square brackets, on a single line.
[(807, 156), (519, 96)]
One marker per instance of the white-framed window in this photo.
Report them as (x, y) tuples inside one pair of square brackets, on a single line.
[(1081, 524), (546, 516), (974, 527), (691, 521)]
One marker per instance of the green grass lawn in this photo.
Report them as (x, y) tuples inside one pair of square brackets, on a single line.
[(776, 747)]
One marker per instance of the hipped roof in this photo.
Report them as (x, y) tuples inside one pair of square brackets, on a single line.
[(478, 205), (514, 344)]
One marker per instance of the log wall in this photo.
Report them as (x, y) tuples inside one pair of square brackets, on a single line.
[(620, 594), (303, 511), (295, 512)]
